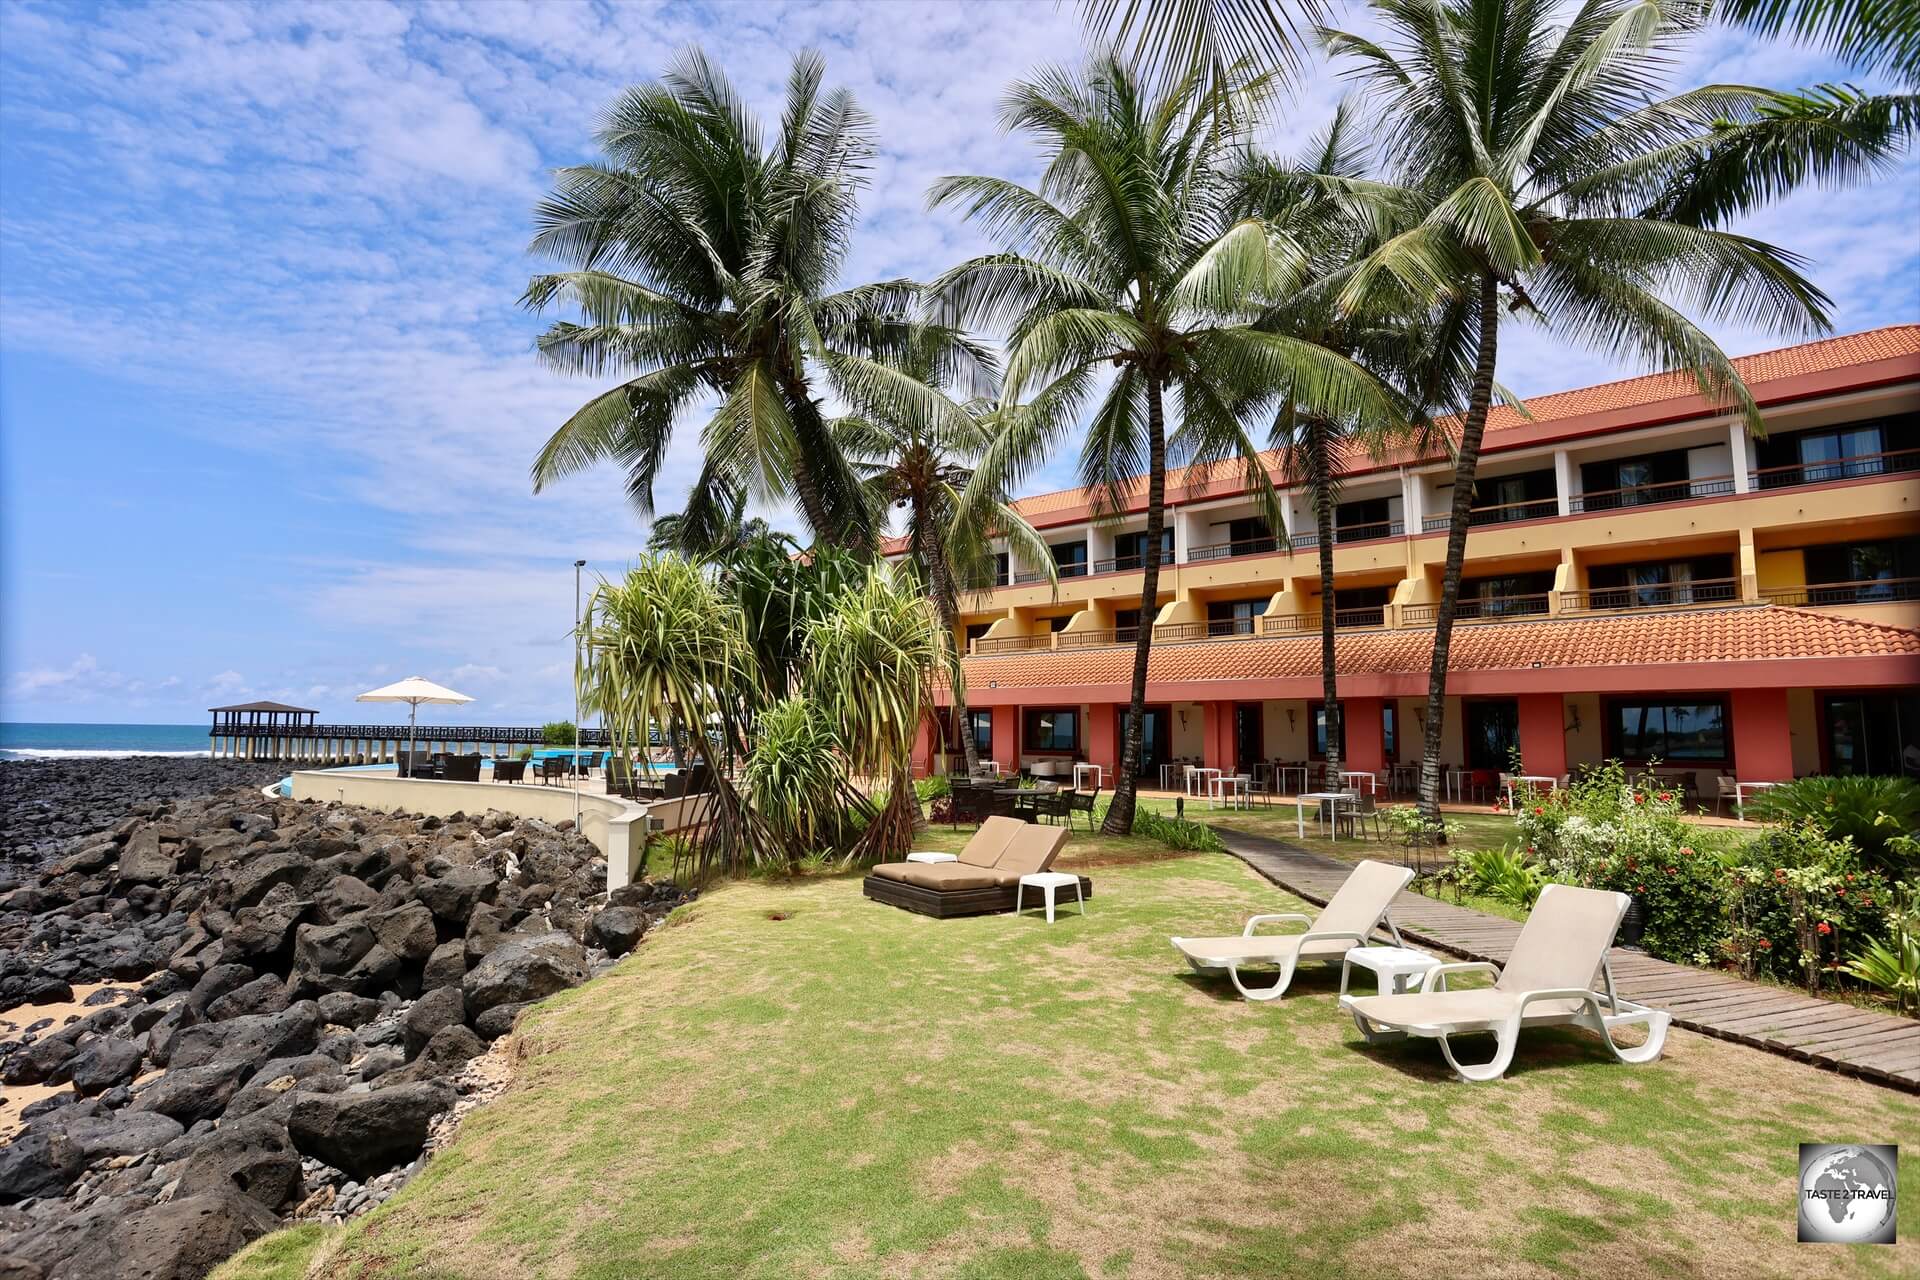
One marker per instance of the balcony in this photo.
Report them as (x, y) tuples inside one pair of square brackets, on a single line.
[(986, 645), (1096, 639), (1293, 624), (1351, 533), (1128, 564), (1505, 513), (1482, 609), (1227, 550), (1664, 595), (1867, 591), (1211, 629), (1649, 495), (1852, 468)]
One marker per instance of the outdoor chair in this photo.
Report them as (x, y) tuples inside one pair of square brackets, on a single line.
[(552, 768), (1358, 907), (1052, 806), (619, 776), (1548, 980), (1725, 788), (509, 770), (1480, 784), (1082, 802), (968, 803), (461, 769), (1354, 817)]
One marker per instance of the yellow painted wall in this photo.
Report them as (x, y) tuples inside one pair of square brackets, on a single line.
[(1803, 726), (1782, 569)]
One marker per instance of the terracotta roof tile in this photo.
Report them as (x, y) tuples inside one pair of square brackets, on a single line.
[(1825, 356), (1704, 636)]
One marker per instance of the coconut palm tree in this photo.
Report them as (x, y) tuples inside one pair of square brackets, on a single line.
[(920, 464), (1533, 169), (1126, 281), (703, 263), (1215, 39), (705, 529), (1872, 34)]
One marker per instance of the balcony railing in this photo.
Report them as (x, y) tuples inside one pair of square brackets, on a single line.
[(1011, 644), (1366, 532), (1096, 639), (1853, 468), (1649, 495), (1128, 564), (1211, 629), (1505, 513), (1481, 608), (1227, 550), (1866, 591), (1665, 595), (1290, 624)]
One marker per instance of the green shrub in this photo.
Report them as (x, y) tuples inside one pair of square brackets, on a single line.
[(1175, 833), (557, 733), (792, 780), (1505, 874), (1871, 812), (1799, 901), (933, 788)]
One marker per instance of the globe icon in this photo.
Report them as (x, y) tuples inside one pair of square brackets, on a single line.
[(1847, 1197)]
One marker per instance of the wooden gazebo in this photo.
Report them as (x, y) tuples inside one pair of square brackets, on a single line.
[(266, 723)]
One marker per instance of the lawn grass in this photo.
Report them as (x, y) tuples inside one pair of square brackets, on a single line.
[(790, 1080)]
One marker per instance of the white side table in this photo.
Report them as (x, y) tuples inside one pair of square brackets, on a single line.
[(1740, 790), (1397, 969), (932, 857), (1049, 883), (1081, 770)]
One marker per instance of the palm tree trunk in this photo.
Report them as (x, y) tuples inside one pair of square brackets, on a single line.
[(1120, 813), (1466, 465), (943, 594), (1323, 495)]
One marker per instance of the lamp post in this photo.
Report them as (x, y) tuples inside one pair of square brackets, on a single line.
[(578, 565)]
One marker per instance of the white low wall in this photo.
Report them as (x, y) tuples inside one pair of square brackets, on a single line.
[(616, 827)]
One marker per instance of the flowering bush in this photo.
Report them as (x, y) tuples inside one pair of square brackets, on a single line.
[(1800, 901)]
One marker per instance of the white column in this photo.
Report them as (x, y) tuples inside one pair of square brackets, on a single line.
[(1563, 480), (1740, 445), (1413, 503)]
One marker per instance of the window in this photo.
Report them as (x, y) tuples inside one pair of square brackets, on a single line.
[(1234, 617), (1367, 518), (1870, 571), (1070, 558), (1053, 730), (1837, 453), (977, 629), (1126, 625), (1360, 606), (1002, 569), (1493, 731), (1510, 595), (1130, 549), (1389, 731), (1059, 622), (1317, 719), (1668, 730), (1703, 579), (982, 731), (1246, 537), (1514, 496), (1633, 482)]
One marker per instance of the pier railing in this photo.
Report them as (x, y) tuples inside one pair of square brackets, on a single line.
[(532, 735)]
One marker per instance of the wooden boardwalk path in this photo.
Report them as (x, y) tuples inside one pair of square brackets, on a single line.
[(1877, 1046)]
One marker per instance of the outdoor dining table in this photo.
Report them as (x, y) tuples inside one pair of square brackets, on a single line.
[(1456, 782), (1228, 789), (1199, 779), (1081, 769), (1334, 798), (1351, 775), (1740, 790), (1282, 771), (1530, 779)]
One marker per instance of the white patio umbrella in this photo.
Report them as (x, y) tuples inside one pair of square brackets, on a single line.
[(413, 691)]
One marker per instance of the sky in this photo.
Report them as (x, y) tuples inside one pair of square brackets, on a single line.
[(267, 396)]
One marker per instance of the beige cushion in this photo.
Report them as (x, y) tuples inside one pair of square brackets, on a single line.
[(991, 841), (1033, 850), (939, 876)]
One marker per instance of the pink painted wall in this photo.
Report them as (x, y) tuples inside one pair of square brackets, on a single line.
[(1543, 734), (1006, 737), (1762, 742), (1366, 737)]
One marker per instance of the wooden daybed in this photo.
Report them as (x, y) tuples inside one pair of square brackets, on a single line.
[(985, 879)]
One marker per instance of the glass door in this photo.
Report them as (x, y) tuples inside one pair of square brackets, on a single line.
[(1493, 731), (1155, 740), (1249, 735)]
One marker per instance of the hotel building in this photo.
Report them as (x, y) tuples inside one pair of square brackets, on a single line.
[(1644, 580)]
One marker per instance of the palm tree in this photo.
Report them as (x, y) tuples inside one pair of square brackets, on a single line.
[(921, 464), (706, 528), (702, 266), (1532, 172), (1215, 39), (1127, 279), (1873, 34)]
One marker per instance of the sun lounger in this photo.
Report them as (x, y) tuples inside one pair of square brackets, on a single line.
[(1348, 920), (986, 877), (1548, 980)]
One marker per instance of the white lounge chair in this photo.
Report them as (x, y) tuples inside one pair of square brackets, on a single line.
[(1547, 981), (1348, 920)]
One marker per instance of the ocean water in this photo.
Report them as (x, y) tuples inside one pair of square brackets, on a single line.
[(30, 741)]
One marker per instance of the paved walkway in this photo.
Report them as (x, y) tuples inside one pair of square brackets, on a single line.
[(1878, 1046)]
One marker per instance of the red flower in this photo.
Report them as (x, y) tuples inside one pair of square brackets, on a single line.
[(1638, 798), (1685, 852), (1666, 795), (1673, 871), (1866, 902), (1765, 945), (1639, 888), (1823, 928), (1537, 811), (1779, 873), (1849, 877), (1841, 892)]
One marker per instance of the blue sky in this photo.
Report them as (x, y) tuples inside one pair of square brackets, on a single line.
[(266, 397)]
